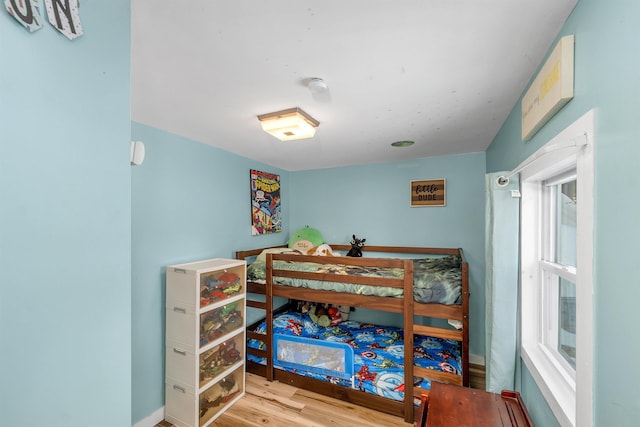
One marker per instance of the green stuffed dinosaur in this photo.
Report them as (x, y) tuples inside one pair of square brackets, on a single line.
[(305, 239)]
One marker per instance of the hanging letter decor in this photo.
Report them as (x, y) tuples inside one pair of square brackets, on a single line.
[(63, 15), (25, 12)]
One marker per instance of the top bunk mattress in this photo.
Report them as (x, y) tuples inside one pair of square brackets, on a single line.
[(435, 280)]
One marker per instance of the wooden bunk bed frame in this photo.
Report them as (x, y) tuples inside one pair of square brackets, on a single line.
[(408, 306)]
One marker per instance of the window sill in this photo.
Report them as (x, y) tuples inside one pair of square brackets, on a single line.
[(557, 389)]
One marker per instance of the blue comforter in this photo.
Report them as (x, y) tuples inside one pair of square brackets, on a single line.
[(378, 353)]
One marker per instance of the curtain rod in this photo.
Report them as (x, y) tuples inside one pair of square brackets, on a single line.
[(578, 141)]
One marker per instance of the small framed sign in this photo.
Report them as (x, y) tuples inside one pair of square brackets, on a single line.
[(430, 192)]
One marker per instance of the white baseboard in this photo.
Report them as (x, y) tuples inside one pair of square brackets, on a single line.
[(152, 419), (476, 359)]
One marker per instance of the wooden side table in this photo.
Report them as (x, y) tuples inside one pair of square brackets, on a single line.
[(451, 405)]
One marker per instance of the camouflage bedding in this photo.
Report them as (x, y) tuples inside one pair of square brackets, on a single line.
[(435, 280)]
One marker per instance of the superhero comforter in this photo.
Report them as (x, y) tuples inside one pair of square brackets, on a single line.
[(378, 362)]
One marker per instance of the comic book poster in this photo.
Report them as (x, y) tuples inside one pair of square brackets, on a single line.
[(265, 203)]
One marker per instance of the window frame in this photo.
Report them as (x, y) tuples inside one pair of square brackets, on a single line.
[(569, 396)]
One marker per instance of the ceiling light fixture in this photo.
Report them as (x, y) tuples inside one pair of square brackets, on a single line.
[(290, 124)]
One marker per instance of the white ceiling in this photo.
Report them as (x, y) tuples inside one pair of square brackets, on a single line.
[(443, 73)]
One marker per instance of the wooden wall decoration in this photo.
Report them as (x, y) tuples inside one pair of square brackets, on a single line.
[(428, 193), (551, 89)]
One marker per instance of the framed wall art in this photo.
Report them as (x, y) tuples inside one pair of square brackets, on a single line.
[(265, 203), (430, 192)]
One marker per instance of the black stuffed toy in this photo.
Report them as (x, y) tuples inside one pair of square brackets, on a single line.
[(356, 247)]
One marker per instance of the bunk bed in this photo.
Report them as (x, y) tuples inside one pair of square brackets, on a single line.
[(284, 278)]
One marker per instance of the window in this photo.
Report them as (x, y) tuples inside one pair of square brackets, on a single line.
[(558, 268), (557, 271)]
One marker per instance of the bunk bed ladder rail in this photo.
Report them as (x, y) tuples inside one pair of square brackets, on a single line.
[(465, 320), (267, 306), (254, 367), (408, 340), (269, 319)]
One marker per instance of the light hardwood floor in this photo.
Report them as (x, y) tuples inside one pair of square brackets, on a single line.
[(275, 404)]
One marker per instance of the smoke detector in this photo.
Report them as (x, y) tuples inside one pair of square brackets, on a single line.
[(318, 86)]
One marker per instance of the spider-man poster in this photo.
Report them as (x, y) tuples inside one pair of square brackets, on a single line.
[(265, 203)]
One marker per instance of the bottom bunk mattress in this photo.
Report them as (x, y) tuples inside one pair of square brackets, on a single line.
[(353, 354)]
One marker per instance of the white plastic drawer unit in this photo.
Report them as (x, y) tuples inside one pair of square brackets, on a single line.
[(183, 408), (205, 340), (187, 368), (222, 356), (199, 331), (221, 395), (203, 283)]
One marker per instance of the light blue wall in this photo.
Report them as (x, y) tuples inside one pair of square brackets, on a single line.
[(372, 201), (190, 201), (607, 67), (65, 245)]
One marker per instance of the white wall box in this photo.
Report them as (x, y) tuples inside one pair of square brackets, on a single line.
[(205, 340)]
